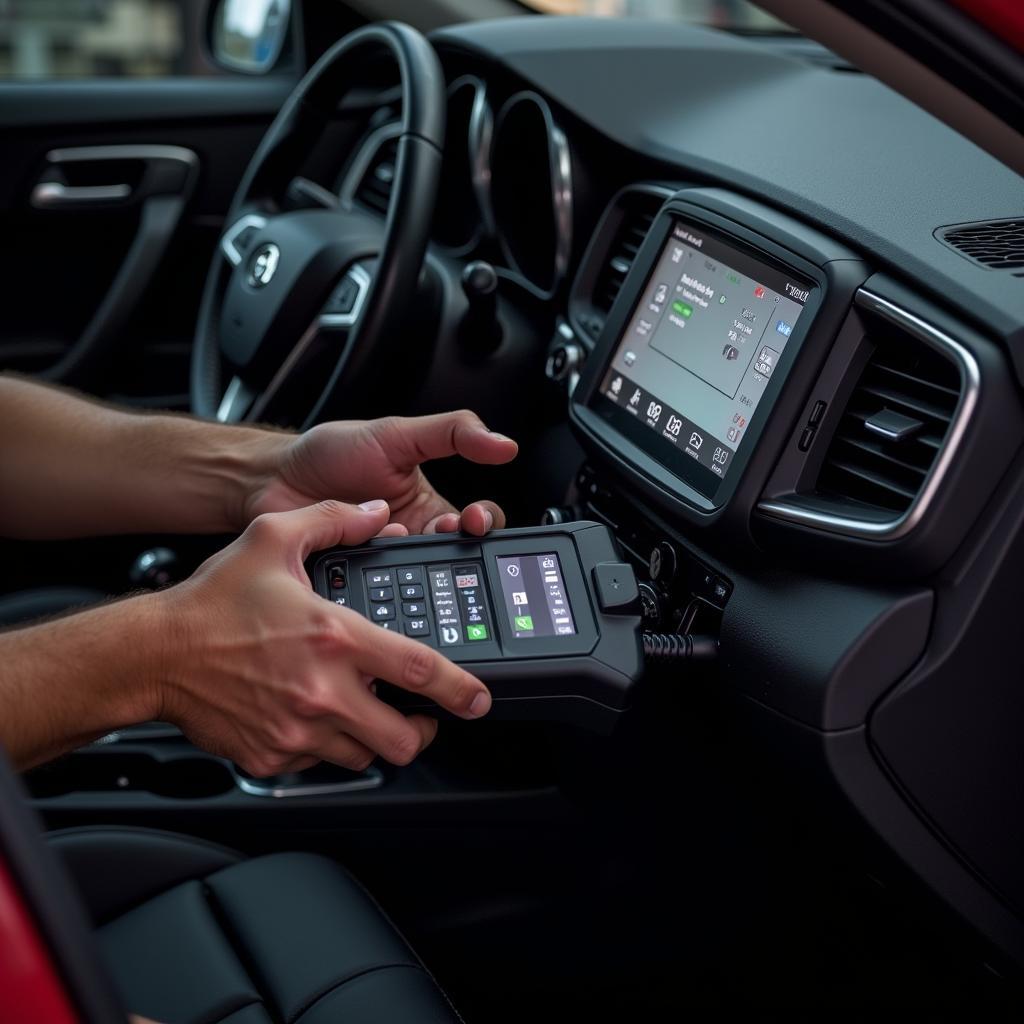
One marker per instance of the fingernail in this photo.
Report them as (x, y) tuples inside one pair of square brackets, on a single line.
[(500, 437), (488, 519), (481, 705), (374, 506)]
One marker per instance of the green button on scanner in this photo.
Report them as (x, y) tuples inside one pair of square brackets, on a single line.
[(476, 632), (524, 622)]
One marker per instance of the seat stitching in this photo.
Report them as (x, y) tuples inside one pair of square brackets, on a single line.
[(239, 949), (342, 982)]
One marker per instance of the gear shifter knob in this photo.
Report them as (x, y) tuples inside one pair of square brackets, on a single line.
[(480, 329)]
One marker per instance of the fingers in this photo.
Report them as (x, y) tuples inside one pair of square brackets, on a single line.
[(323, 525), (411, 441), (343, 750), (379, 727), (446, 522), (482, 516), (477, 519), (394, 530), (415, 667)]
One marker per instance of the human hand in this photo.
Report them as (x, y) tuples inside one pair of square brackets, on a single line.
[(261, 670), (353, 460)]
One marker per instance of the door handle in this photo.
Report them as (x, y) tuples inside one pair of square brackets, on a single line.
[(52, 195), (159, 182)]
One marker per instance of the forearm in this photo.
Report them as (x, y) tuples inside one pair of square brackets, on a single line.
[(68, 682), (70, 467)]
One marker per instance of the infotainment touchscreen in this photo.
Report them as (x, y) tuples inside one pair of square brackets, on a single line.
[(699, 352)]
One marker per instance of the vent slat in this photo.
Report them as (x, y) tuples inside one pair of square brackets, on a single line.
[(864, 469), (916, 405), (637, 212), (995, 244)]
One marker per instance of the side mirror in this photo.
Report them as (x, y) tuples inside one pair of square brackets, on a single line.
[(249, 35)]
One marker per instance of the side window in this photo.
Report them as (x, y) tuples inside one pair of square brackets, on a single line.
[(42, 40)]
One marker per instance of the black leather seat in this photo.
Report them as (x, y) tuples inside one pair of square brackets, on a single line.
[(194, 933)]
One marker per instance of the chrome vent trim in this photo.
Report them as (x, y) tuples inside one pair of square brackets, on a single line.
[(900, 526)]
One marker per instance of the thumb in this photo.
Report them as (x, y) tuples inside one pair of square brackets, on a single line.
[(324, 525)]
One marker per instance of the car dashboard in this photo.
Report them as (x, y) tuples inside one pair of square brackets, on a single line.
[(794, 379)]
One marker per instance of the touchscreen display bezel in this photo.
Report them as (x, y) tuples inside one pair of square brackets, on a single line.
[(633, 442)]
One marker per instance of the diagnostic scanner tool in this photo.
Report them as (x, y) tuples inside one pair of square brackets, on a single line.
[(548, 617)]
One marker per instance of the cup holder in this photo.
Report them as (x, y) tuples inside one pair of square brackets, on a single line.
[(98, 771)]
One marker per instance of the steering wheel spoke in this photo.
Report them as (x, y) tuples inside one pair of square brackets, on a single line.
[(238, 399), (238, 239)]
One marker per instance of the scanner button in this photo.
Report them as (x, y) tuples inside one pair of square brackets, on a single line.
[(417, 627), (378, 577), (414, 608), (617, 591), (412, 574), (410, 592), (382, 612), (378, 594)]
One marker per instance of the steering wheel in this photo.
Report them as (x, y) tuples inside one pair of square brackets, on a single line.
[(287, 282)]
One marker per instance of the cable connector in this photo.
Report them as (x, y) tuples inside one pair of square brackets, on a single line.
[(660, 647)]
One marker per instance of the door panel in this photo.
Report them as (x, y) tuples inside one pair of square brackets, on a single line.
[(119, 276)]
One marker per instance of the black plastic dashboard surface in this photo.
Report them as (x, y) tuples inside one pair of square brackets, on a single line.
[(838, 149)]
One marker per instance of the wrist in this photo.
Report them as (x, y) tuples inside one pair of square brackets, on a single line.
[(219, 470)]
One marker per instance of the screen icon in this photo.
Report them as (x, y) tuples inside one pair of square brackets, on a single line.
[(519, 597), (721, 454), (730, 352), (696, 441), (759, 292), (476, 632), (784, 329), (683, 309), (616, 386), (660, 294), (635, 400), (677, 253), (629, 358), (512, 569), (548, 563), (733, 433), (524, 623)]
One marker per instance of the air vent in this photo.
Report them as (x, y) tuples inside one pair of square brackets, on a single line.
[(637, 213), (374, 188), (995, 244), (894, 424)]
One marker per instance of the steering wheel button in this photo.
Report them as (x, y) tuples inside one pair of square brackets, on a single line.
[(343, 298)]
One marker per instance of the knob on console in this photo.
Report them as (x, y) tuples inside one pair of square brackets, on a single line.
[(480, 328), (662, 563), (554, 515)]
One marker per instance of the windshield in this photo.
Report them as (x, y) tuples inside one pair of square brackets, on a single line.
[(734, 15)]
